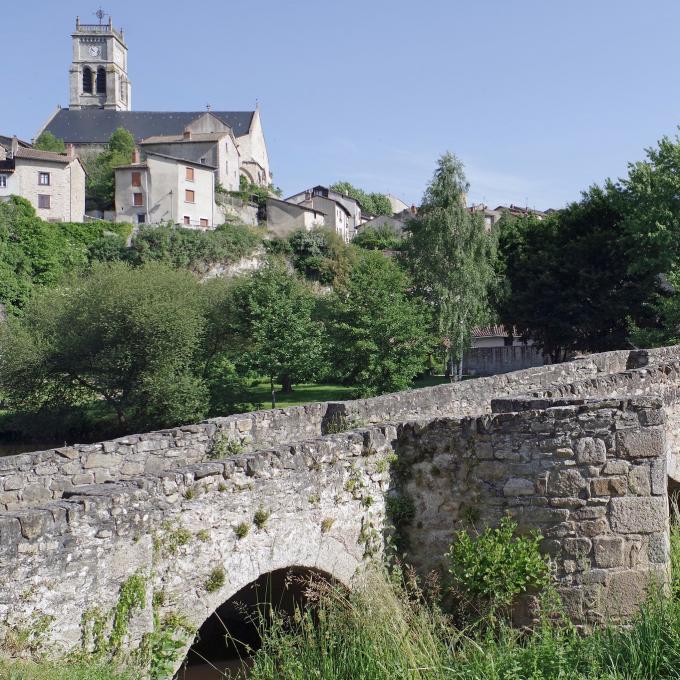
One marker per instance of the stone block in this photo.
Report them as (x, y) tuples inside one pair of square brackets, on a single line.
[(84, 478), (608, 551), (647, 442), (566, 483), (577, 547), (14, 482), (616, 467), (35, 493), (639, 482), (34, 523), (516, 486), (591, 528), (608, 486), (132, 468), (627, 590), (564, 452), (101, 460), (590, 451), (659, 477), (659, 548), (644, 515)]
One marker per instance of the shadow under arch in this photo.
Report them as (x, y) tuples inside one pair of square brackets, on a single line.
[(231, 634)]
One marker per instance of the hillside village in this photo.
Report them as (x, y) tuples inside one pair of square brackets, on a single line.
[(190, 168)]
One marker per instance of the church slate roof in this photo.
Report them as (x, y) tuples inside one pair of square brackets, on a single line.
[(95, 126)]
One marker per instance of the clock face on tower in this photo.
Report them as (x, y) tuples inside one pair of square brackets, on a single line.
[(94, 51)]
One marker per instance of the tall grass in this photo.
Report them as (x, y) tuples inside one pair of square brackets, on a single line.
[(62, 670), (387, 630)]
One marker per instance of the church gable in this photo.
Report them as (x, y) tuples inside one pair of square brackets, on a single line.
[(208, 123)]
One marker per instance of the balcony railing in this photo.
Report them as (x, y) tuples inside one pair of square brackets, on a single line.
[(98, 28)]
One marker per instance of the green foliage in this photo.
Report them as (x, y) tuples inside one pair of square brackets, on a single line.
[(566, 279), (203, 535), (128, 337), (48, 142), (189, 249), (242, 529), (161, 647), (37, 253), (451, 257), (327, 524), (489, 571), (261, 518), (319, 255), (379, 333), (132, 596), (400, 509), (377, 238), (373, 203), (251, 192), (216, 579), (284, 341), (17, 669), (100, 186), (170, 538), (224, 445)]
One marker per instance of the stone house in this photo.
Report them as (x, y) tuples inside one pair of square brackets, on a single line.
[(342, 213), (54, 183), (164, 189), (206, 140), (395, 223), (283, 218), (100, 103)]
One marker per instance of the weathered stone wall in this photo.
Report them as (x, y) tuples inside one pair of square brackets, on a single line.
[(31, 478), (589, 472), (591, 477)]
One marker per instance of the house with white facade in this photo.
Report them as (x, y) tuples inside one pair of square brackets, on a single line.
[(162, 189), (54, 183)]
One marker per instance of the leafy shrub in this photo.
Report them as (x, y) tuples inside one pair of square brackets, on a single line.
[(490, 570), (377, 238), (216, 579)]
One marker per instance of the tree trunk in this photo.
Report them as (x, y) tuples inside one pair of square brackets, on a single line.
[(286, 384), (271, 384)]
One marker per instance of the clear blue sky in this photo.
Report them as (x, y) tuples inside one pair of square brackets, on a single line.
[(539, 98)]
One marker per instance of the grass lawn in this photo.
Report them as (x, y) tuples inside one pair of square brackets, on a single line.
[(308, 393)]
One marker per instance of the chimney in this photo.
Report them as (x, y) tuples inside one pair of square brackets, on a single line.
[(413, 209), (15, 145), (187, 134), (135, 156), (70, 151)]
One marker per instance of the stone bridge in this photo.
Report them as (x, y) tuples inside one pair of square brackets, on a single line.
[(582, 451)]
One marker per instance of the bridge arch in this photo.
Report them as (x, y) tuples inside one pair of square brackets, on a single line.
[(231, 634)]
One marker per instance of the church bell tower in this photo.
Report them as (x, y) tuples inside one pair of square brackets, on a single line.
[(98, 74)]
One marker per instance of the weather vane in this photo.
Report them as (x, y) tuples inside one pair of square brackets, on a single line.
[(100, 14)]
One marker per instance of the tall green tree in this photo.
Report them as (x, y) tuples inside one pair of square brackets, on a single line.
[(125, 338), (372, 203), (48, 142), (451, 259), (284, 340), (100, 187), (380, 337)]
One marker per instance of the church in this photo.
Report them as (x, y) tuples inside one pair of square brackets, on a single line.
[(100, 101)]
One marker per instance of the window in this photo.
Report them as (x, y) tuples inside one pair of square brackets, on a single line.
[(203, 161), (226, 168), (204, 222), (141, 218), (187, 219), (189, 195), (3, 181), (136, 179), (43, 201), (44, 179), (137, 199), (101, 81), (87, 80), (190, 174)]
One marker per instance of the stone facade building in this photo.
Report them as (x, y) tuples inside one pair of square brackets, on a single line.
[(54, 183), (166, 189), (283, 218), (100, 102)]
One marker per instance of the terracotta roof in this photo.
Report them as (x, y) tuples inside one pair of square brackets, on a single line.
[(36, 154), (494, 331)]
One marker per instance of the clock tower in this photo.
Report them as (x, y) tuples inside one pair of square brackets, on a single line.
[(98, 74)]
